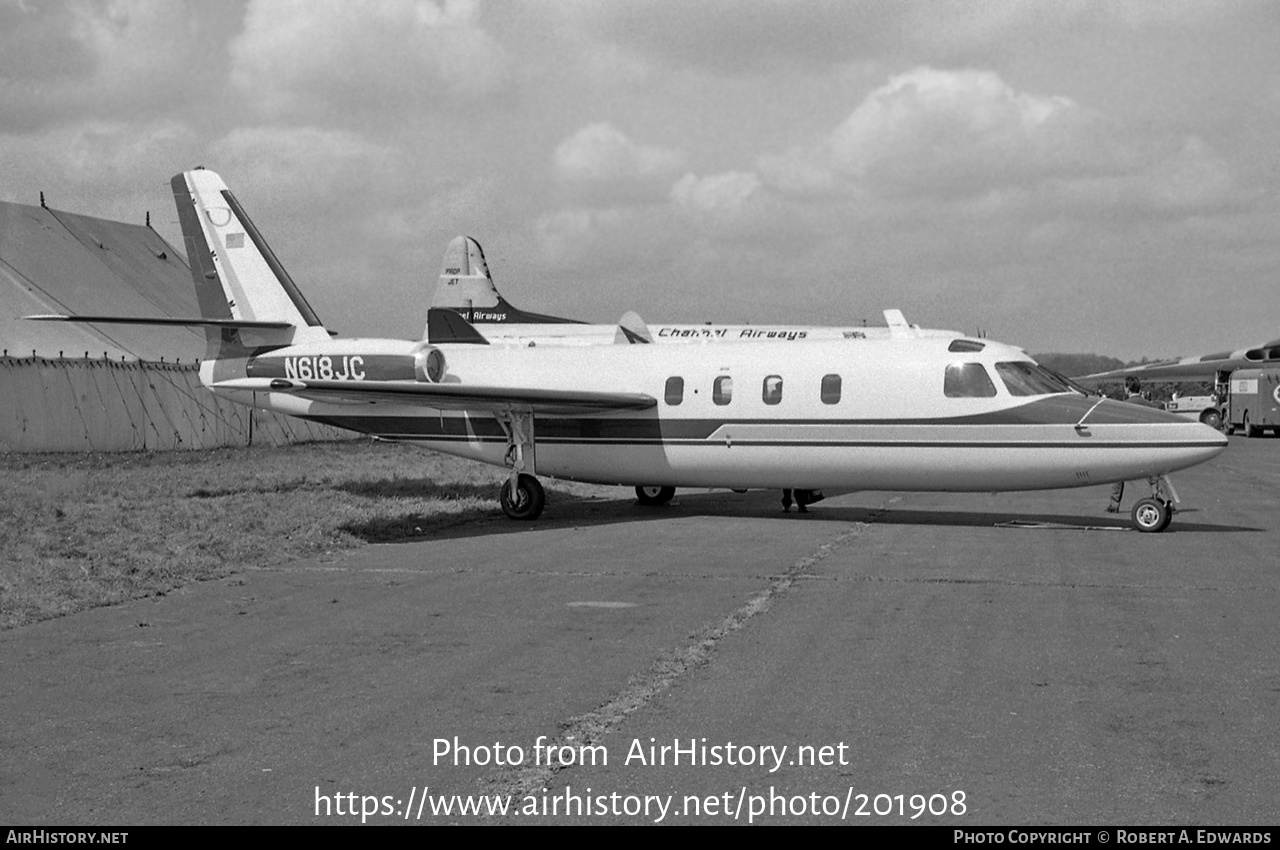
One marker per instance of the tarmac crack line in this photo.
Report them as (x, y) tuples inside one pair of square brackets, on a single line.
[(489, 571), (591, 728)]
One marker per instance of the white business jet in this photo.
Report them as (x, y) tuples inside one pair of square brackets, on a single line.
[(899, 413)]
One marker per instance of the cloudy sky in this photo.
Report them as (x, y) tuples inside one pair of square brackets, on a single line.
[(1066, 175)]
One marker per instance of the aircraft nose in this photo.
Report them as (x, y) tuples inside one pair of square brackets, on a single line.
[(1194, 441), (1160, 440), (1212, 437), (1110, 412)]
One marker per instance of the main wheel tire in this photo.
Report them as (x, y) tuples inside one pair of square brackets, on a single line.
[(1250, 430), (653, 496), (526, 502), (1151, 515), (1212, 418)]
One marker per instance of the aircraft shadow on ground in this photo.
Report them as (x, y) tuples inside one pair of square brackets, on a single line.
[(474, 505), (417, 488), (566, 510)]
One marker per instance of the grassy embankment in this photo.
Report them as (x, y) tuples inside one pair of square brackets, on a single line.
[(78, 531)]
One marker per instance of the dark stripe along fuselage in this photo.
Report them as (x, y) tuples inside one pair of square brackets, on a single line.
[(1034, 446)]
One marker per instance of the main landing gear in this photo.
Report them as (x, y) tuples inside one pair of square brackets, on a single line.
[(654, 496), (1154, 513), (803, 498), (521, 496)]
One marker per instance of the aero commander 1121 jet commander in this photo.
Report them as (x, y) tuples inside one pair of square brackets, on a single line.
[(900, 413)]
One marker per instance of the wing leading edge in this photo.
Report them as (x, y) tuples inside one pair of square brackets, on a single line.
[(1198, 368), (448, 396)]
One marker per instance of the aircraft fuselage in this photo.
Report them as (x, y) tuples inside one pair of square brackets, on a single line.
[(859, 413)]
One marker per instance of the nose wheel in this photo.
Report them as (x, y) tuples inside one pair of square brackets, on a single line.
[(1152, 515)]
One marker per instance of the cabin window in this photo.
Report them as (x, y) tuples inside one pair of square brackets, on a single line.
[(968, 380), (1023, 378), (722, 390), (830, 389), (771, 391), (675, 390)]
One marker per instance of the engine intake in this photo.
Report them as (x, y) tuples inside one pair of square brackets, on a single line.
[(429, 364)]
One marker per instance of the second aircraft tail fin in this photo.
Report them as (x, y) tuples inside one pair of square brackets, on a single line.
[(466, 287)]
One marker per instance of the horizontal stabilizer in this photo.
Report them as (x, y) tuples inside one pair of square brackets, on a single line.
[(632, 330), (145, 320), (448, 396), (448, 326)]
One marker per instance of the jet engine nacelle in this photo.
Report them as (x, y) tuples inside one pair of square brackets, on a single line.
[(1267, 353), (429, 364)]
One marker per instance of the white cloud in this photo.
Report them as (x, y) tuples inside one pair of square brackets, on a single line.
[(956, 131), (305, 156), (968, 137), (77, 61), (100, 153), (609, 65), (719, 195), (568, 237), (135, 41), (733, 36), (297, 56), (802, 171), (1194, 177), (754, 36), (600, 153), (1189, 177)]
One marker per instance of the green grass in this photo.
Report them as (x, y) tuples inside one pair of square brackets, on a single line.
[(78, 531)]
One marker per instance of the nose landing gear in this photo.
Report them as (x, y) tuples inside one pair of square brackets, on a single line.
[(1154, 513)]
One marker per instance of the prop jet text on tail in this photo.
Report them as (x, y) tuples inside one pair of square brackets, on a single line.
[(899, 413)]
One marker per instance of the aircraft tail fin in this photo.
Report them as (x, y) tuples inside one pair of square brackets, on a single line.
[(464, 280), (466, 287), (632, 330), (241, 286)]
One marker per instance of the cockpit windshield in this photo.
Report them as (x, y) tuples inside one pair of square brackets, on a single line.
[(1022, 378)]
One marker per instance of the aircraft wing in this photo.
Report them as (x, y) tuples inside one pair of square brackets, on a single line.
[(448, 396), (146, 320), (1201, 368)]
